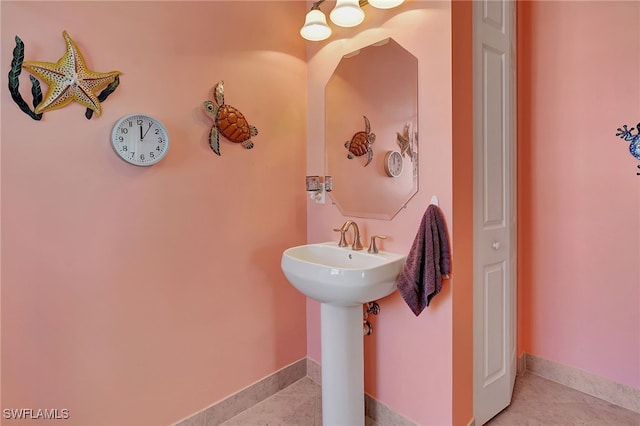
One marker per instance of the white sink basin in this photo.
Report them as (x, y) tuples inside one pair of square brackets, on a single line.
[(341, 279), (339, 275)]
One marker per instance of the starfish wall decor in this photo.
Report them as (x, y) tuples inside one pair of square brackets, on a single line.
[(69, 79), (406, 141)]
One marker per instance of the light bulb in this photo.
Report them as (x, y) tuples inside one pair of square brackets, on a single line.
[(385, 4), (315, 26), (347, 13)]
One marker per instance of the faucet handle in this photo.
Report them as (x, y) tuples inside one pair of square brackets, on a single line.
[(343, 241), (373, 248)]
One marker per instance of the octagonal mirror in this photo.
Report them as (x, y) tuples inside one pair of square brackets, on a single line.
[(371, 128)]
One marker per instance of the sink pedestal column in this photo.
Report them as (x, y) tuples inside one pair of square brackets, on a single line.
[(342, 365)]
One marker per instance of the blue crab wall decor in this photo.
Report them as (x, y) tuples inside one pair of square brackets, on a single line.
[(627, 135)]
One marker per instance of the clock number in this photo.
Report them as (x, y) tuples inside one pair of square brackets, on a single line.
[(133, 153), (125, 148), (157, 131), (124, 130), (152, 155), (142, 157), (160, 140), (130, 123), (158, 148), (139, 122), (120, 138)]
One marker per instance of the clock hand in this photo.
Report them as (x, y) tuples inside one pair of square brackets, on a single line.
[(145, 133), (141, 135)]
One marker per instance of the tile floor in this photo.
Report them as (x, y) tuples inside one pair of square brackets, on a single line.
[(536, 402), (297, 404)]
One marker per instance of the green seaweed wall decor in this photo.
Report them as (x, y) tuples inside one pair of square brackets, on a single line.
[(104, 94), (14, 82)]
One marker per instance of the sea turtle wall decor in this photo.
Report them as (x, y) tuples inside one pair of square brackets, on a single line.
[(627, 135), (69, 80), (361, 142), (228, 121)]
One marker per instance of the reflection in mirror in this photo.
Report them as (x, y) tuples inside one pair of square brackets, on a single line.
[(371, 127)]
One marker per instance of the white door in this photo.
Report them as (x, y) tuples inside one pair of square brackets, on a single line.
[(494, 294)]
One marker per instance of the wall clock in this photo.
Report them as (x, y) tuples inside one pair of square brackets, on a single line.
[(393, 163), (140, 139)]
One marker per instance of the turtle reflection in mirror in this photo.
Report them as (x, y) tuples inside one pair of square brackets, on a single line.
[(361, 142)]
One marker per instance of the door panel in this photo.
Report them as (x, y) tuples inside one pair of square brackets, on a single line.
[(494, 207), (494, 319), (493, 138)]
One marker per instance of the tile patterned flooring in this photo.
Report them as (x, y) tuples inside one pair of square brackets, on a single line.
[(536, 402), (541, 402), (296, 405)]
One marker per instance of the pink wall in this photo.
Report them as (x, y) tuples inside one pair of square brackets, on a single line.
[(408, 359), (141, 295), (579, 203)]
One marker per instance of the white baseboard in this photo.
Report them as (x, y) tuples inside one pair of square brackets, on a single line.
[(605, 389)]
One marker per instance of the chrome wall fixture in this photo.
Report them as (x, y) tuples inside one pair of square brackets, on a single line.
[(346, 13), (317, 186)]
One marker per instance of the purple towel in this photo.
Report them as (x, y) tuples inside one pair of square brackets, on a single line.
[(428, 261)]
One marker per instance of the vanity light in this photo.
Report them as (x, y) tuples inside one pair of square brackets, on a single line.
[(347, 13), (385, 4), (315, 26)]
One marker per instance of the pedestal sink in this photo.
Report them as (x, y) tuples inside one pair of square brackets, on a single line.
[(341, 279)]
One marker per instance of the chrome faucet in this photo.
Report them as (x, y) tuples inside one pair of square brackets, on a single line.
[(357, 245)]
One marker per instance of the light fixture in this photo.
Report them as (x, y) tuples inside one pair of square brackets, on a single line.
[(315, 26), (347, 13), (385, 4)]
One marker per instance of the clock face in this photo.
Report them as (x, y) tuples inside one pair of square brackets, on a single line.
[(393, 163), (140, 139)]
